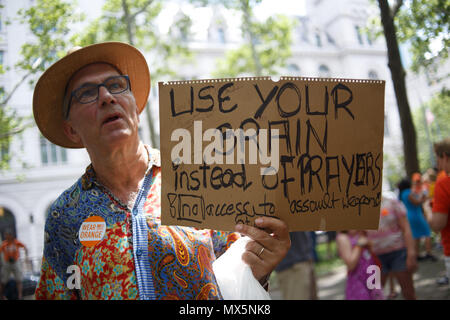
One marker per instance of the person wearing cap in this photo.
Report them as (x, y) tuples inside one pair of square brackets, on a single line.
[(103, 235), (439, 220)]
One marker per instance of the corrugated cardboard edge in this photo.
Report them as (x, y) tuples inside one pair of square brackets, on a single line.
[(283, 78)]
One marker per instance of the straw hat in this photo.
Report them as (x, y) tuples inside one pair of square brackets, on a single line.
[(49, 92)]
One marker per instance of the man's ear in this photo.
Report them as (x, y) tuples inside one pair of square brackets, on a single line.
[(70, 132)]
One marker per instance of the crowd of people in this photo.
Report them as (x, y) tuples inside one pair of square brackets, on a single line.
[(405, 230)]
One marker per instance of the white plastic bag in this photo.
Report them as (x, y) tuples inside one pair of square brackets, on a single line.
[(234, 276)]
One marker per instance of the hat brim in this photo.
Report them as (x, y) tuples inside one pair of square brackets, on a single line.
[(48, 97)]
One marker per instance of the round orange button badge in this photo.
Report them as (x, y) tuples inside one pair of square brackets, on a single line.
[(92, 231)]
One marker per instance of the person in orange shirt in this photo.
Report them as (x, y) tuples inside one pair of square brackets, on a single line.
[(10, 249), (439, 220)]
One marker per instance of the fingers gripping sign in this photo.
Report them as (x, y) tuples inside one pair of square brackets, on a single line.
[(270, 243)]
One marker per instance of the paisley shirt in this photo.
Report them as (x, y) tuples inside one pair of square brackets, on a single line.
[(137, 257)]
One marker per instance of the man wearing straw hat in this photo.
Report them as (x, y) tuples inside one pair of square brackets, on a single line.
[(103, 236)]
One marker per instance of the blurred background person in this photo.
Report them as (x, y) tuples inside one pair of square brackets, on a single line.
[(354, 249), (296, 276), (313, 237), (394, 246), (11, 264), (413, 197), (439, 221), (331, 237)]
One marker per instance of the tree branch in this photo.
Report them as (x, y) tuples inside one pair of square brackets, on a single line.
[(247, 26), (128, 22), (15, 130), (5, 101), (133, 16), (395, 8)]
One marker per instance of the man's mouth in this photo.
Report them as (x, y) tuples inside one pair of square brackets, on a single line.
[(111, 118)]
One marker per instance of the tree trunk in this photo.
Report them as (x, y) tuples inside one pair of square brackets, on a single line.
[(128, 21), (130, 35), (247, 26), (398, 79)]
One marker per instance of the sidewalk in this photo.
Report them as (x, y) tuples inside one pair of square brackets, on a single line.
[(332, 285)]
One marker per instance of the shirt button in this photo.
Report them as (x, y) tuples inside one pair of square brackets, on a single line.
[(138, 252)]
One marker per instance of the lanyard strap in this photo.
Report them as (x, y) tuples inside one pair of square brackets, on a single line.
[(140, 242)]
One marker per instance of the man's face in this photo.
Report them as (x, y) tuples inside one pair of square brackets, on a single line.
[(107, 122)]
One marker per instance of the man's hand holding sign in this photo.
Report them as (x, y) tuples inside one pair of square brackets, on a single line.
[(270, 243)]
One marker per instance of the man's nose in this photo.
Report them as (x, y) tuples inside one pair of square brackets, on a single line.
[(105, 97)]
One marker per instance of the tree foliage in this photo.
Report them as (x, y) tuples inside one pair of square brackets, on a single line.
[(432, 121), (8, 123), (266, 47), (425, 25), (49, 23), (134, 22), (266, 56), (388, 14)]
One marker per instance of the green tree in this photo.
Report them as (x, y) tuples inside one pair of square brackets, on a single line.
[(395, 65), (424, 25), (432, 121), (392, 169), (267, 43), (49, 22), (9, 126), (134, 22)]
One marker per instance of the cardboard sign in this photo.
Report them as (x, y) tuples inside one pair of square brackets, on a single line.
[(306, 150)]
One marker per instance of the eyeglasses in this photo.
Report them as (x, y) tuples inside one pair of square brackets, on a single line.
[(89, 92)]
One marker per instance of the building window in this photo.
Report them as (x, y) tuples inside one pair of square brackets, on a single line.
[(358, 34), (330, 39), (7, 222), (221, 35), (373, 75), (293, 70), (318, 39), (4, 153), (51, 154), (2, 54), (324, 71)]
